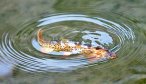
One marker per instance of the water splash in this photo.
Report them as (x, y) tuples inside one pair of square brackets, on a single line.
[(23, 50)]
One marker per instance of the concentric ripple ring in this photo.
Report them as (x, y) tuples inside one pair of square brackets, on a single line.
[(23, 50)]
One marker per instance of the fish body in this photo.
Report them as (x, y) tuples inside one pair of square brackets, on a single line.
[(69, 47)]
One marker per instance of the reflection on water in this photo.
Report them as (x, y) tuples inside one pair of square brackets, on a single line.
[(6, 70), (100, 38)]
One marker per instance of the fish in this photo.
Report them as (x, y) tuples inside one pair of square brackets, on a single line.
[(68, 47)]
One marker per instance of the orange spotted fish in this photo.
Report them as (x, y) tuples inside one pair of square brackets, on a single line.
[(69, 47)]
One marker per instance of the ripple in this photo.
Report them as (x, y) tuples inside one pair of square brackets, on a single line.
[(23, 50)]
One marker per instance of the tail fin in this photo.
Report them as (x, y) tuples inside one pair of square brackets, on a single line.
[(40, 39)]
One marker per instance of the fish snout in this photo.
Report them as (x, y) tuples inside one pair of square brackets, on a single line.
[(112, 55)]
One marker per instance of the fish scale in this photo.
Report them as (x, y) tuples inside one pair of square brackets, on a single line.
[(88, 51)]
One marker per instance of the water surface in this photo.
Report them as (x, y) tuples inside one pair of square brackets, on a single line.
[(118, 32)]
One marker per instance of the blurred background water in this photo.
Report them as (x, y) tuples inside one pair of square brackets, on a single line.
[(18, 20)]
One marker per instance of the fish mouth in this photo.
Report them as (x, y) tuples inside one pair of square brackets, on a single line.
[(112, 55)]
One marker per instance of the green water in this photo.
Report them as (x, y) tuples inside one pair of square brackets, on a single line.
[(128, 68)]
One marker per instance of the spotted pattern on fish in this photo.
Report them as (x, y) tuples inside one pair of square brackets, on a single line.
[(65, 46)]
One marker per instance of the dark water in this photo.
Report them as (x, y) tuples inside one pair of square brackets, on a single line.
[(99, 23)]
